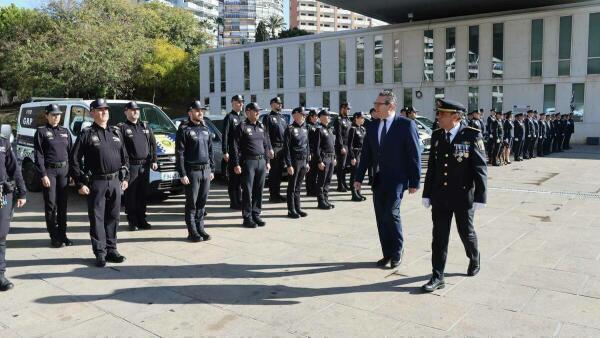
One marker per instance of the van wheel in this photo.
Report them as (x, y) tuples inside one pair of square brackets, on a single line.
[(31, 177)]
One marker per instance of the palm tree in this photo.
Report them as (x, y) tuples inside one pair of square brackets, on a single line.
[(220, 22), (275, 23)]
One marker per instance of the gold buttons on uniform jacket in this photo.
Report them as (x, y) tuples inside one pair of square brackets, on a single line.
[(445, 164), (446, 155), (445, 174), (445, 183)]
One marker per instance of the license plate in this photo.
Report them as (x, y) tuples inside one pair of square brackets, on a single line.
[(169, 176)]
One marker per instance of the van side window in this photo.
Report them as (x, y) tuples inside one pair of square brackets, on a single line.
[(77, 116)]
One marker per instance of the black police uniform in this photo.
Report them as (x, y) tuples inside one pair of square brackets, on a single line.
[(565, 131), (559, 134), (296, 153), (141, 149), (251, 146), (534, 141), (519, 133), (570, 132), (456, 178), (542, 134), (194, 159), (11, 183), (311, 175), (106, 164), (234, 188), (549, 136), (52, 146), (509, 133), (529, 137), (356, 138), (324, 153), (477, 124), (497, 131), (341, 127), (493, 138), (275, 126)]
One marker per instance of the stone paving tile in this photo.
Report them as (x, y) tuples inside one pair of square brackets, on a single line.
[(566, 307), (548, 279), (104, 326), (570, 330), (591, 288)]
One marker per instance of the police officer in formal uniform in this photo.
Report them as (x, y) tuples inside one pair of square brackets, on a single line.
[(570, 130), (558, 133), (341, 127), (542, 134), (325, 157), (275, 125), (195, 164), (518, 141), (11, 183), (529, 135), (356, 138), (230, 123), (565, 131), (311, 176), (496, 134), (509, 135), (476, 121), (103, 178), (455, 186), (296, 153), (141, 149), (549, 134), (52, 145), (536, 135), (250, 158)]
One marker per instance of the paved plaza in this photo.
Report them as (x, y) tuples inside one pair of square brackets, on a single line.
[(316, 277)]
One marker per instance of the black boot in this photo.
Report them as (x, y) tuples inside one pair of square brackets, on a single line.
[(5, 284), (322, 204)]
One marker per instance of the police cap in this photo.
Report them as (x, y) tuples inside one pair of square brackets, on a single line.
[(131, 105), (312, 112), (299, 110), (53, 109), (252, 106), (196, 105), (445, 105), (275, 100), (238, 98), (98, 103), (323, 112), (358, 114)]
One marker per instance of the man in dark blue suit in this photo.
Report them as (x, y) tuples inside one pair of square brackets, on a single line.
[(391, 148)]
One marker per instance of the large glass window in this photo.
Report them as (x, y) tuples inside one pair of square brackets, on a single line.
[(549, 99), (266, 70), (302, 66), (279, 67), (578, 101), (439, 95), (246, 70), (223, 74), (360, 60), (326, 100), (537, 46), (564, 46), (317, 60), (211, 73), (498, 50), (407, 97), (450, 53), (593, 66), (428, 55), (378, 58), (342, 62), (302, 99), (497, 97), (223, 103), (473, 98), (397, 58), (473, 52)]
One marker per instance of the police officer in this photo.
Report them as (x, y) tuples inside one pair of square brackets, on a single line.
[(195, 165), (509, 136), (230, 123), (325, 157), (275, 125), (565, 128), (496, 134), (549, 134), (455, 185), (103, 179), (52, 145), (570, 130), (356, 137), (311, 176), (492, 137), (518, 141), (542, 134), (559, 133), (536, 134), (341, 127), (529, 135), (250, 158), (476, 121), (296, 152), (141, 149), (11, 183)]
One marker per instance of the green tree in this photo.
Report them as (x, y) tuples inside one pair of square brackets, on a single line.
[(275, 23), (292, 32), (262, 34)]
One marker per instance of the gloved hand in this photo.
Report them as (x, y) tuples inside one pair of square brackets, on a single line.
[(426, 203), (478, 206)]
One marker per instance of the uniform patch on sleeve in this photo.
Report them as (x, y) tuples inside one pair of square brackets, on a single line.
[(480, 145)]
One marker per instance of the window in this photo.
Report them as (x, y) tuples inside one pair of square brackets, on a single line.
[(397, 59), (302, 66), (252, 98), (537, 46), (223, 103), (564, 46), (577, 101), (593, 66), (302, 99), (428, 55), (342, 62), (360, 60), (473, 52), (266, 70), (439, 95), (223, 74), (246, 70), (378, 58), (497, 97), (450, 53), (211, 73), (343, 96), (473, 98), (407, 97), (279, 67), (207, 101), (317, 60), (549, 99), (498, 51), (78, 115), (326, 101)]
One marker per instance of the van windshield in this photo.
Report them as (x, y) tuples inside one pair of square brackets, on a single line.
[(157, 120)]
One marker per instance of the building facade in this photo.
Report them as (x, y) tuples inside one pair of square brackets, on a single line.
[(240, 18), (317, 17), (548, 58)]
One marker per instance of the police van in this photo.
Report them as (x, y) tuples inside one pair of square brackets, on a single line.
[(165, 180)]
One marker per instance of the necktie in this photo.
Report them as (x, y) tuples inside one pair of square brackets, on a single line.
[(448, 137), (383, 131)]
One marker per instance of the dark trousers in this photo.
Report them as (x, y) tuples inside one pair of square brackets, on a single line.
[(496, 152), (311, 178), (540, 146), (234, 186), (295, 185), (442, 220), (558, 145), (135, 195), (548, 145), (491, 144), (5, 212), (276, 173), (253, 182), (353, 175), (196, 194), (324, 180), (531, 149), (55, 202), (518, 149), (389, 225), (340, 169), (104, 204), (567, 142)]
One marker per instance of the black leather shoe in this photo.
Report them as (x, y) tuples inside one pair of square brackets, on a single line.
[(383, 262), (115, 257), (205, 236), (323, 206), (145, 226), (205, 213), (5, 284), (433, 284), (56, 243), (331, 205), (259, 221), (100, 261), (474, 267), (248, 223), (395, 264), (194, 238), (293, 215), (132, 228), (363, 197), (68, 242), (302, 213), (356, 199)]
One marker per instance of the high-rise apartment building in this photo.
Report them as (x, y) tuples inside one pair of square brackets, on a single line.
[(317, 17), (240, 18)]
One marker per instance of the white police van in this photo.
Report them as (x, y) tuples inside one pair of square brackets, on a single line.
[(76, 116)]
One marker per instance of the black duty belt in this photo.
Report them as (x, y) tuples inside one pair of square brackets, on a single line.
[(105, 177), (56, 165), (328, 155), (253, 157), (197, 166), (138, 162)]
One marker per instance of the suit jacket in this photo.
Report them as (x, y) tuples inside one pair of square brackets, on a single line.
[(519, 131), (397, 162), (456, 172)]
